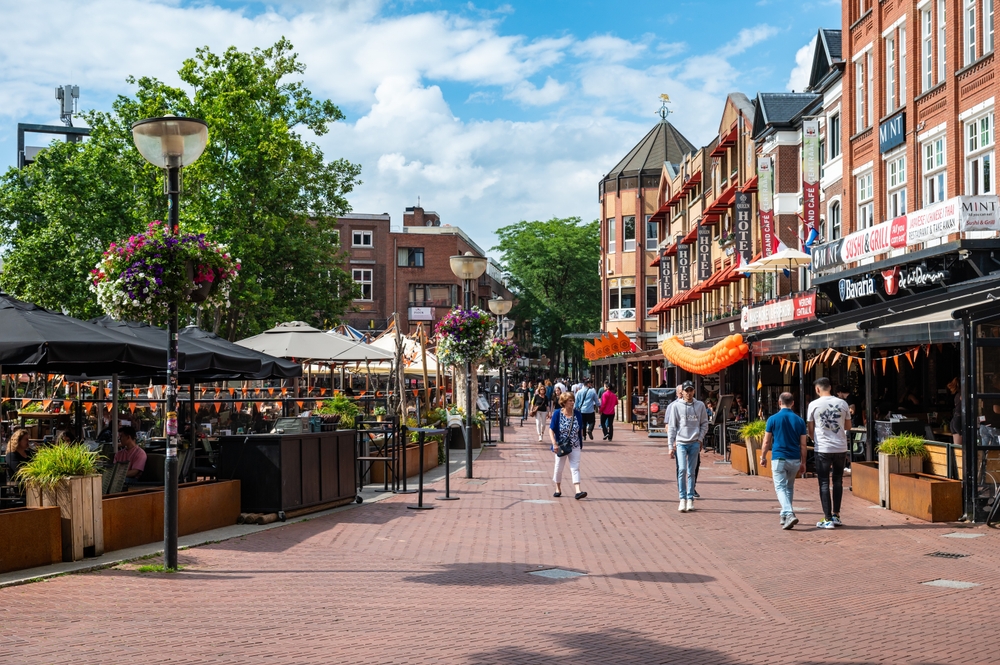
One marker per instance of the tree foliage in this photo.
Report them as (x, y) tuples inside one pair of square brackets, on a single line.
[(260, 188), (554, 270)]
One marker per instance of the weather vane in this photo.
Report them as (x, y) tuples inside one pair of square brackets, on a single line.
[(664, 111)]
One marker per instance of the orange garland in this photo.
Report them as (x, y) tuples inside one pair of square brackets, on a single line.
[(722, 355)]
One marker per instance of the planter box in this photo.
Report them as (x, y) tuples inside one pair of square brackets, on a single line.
[(762, 469), (30, 537), (79, 502), (476, 434), (753, 447), (864, 481), (889, 464), (136, 518), (738, 457), (412, 459), (926, 497)]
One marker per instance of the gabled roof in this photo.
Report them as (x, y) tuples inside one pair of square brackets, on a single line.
[(662, 144), (827, 58), (742, 103), (780, 110)]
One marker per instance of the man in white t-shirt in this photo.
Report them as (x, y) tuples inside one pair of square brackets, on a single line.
[(560, 385), (829, 419)]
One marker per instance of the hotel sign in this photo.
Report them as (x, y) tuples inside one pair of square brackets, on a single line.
[(743, 230), (892, 132), (683, 265), (666, 275), (704, 252)]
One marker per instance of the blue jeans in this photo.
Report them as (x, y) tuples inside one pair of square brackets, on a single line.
[(783, 472), (687, 460)]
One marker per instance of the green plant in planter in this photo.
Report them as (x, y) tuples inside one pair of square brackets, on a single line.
[(340, 406), (33, 407), (753, 430), (904, 445), (53, 463), (379, 411)]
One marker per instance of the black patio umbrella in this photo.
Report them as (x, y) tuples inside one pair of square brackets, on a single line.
[(35, 339)]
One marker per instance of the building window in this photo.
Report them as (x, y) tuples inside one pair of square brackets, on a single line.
[(890, 74), (987, 26), (363, 278), (628, 233), (833, 135), (896, 185), (621, 302), (870, 71), (859, 96), (834, 222), (935, 174), (927, 46), (652, 234), (941, 16), (866, 203), (433, 295), (611, 235), (970, 31), (822, 158), (652, 294), (410, 257), (902, 66), (361, 239), (979, 140)]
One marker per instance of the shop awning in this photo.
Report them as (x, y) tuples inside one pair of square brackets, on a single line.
[(692, 180), (750, 185), (720, 205), (726, 142)]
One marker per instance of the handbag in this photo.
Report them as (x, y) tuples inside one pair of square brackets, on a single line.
[(533, 410), (565, 448)]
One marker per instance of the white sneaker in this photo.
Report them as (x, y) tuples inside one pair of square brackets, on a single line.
[(690, 505), (682, 506)]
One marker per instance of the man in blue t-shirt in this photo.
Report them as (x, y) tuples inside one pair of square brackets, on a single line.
[(785, 437)]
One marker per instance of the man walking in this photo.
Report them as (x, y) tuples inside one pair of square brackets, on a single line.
[(679, 399), (586, 404), (686, 429), (829, 419), (785, 437)]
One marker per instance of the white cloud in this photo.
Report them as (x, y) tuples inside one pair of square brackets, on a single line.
[(608, 48), (527, 94), (798, 80), (748, 37)]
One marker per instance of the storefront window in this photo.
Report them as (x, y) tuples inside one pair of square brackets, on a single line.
[(628, 233), (979, 155)]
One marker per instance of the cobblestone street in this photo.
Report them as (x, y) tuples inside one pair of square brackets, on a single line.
[(383, 584)]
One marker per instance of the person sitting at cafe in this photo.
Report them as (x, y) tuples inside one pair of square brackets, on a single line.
[(63, 438), (18, 451), (844, 393), (130, 452)]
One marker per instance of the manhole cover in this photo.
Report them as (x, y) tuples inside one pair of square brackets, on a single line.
[(960, 534), (538, 501), (947, 555), (556, 573), (951, 584)]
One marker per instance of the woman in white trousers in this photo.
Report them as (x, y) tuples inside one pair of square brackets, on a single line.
[(540, 406), (567, 425)]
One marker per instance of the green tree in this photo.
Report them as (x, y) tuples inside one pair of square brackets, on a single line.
[(554, 271), (260, 187)]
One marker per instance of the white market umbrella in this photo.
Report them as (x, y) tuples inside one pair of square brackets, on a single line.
[(786, 259), (299, 340)]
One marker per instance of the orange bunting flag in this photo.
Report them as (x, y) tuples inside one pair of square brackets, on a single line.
[(87, 406), (836, 358), (232, 392), (239, 406), (135, 392), (218, 406), (284, 391), (131, 407), (46, 403), (270, 391), (895, 359), (67, 405), (25, 402), (322, 391), (153, 406), (883, 364), (259, 405), (300, 403), (760, 384)]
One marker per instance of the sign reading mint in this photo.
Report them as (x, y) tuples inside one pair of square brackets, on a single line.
[(861, 287), (892, 132)]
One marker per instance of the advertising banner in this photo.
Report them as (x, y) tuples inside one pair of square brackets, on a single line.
[(666, 275), (826, 256), (683, 265), (744, 236), (765, 204), (810, 174), (704, 252), (790, 309)]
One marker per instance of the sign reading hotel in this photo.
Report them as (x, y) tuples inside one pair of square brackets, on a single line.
[(704, 252), (743, 230), (810, 174), (765, 204), (666, 275), (797, 308), (683, 265)]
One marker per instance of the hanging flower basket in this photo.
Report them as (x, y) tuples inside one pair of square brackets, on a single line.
[(463, 336), (138, 279), (501, 353)]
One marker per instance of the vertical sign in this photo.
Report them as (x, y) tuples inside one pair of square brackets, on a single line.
[(666, 275), (704, 252), (765, 204), (810, 175), (683, 265), (744, 235)]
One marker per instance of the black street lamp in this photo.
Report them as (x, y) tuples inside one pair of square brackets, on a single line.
[(500, 307), (171, 143), (468, 267)]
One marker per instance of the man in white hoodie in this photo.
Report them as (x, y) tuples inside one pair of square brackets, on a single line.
[(686, 429)]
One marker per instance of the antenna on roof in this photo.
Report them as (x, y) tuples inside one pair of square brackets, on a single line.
[(418, 201), (67, 96), (664, 111)]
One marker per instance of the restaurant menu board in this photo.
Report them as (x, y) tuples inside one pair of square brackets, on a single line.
[(658, 400)]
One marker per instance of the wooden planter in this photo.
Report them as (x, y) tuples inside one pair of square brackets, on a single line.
[(762, 469), (79, 501), (864, 481), (753, 446), (889, 464), (926, 497), (738, 457), (412, 459), (30, 537)]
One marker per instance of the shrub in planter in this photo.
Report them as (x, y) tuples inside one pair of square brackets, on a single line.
[(903, 453), (340, 406), (753, 437)]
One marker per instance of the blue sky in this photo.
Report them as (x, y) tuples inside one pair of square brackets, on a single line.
[(490, 112)]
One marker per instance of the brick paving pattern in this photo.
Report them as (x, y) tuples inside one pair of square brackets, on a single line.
[(383, 584)]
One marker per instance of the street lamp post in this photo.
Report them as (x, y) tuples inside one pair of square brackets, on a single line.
[(500, 307), (171, 143), (468, 267)]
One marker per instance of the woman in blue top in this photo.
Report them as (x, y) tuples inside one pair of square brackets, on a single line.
[(567, 425)]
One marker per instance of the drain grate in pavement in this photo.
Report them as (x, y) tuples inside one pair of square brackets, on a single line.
[(951, 584), (960, 534), (538, 501), (475, 482), (557, 573), (947, 555)]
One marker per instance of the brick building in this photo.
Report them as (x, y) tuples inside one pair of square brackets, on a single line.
[(406, 269)]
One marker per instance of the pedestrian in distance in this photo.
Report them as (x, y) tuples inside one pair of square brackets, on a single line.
[(785, 437), (828, 419), (548, 392), (609, 402), (567, 426), (539, 410), (686, 430), (586, 404)]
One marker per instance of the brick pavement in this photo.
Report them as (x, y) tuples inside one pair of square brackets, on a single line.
[(383, 584)]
